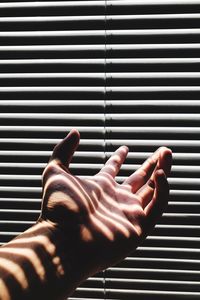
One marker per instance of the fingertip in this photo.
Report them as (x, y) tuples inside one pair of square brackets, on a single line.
[(165, 160), (165, 151), (122, 151), (125, 148), (64, 150), (74, 133), (73, 138), (125, 151), (169, 149)]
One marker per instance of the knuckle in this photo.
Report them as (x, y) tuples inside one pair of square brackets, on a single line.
[(116, 160), (103, 179), (51, 168)]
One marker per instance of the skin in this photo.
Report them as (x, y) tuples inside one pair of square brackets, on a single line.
[(86, 224)]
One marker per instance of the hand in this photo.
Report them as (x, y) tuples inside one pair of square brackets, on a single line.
[(103, 220)]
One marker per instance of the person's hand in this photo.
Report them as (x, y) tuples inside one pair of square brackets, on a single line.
[(103, 220)]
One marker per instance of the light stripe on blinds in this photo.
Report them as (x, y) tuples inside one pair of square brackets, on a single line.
[(122, 72)]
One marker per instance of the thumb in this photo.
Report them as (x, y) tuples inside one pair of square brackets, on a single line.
[(65, 149)]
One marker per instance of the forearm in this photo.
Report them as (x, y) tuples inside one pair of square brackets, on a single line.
[(35, 265)]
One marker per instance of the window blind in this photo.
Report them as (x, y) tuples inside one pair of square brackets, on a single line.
[(122, 72)]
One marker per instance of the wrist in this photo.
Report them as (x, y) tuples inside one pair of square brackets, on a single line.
[(63, 256), (37, 265), (68, 256)]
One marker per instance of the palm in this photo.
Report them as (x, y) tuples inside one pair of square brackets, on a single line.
[(108, 218)]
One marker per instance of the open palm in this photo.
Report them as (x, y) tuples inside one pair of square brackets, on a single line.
[(103, 219)]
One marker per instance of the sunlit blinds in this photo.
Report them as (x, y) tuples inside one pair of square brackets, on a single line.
[(122, 72)]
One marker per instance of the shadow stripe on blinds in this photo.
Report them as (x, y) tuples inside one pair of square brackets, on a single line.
[(130, 79)]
